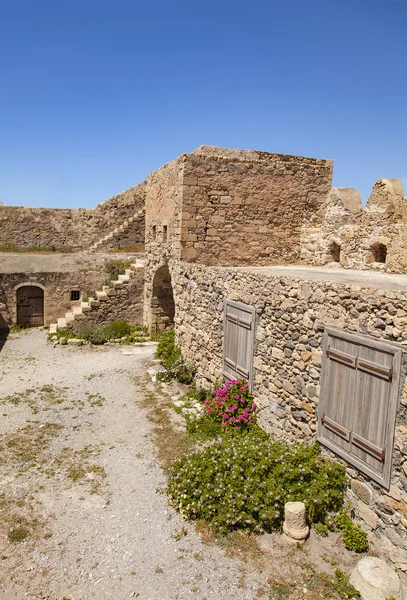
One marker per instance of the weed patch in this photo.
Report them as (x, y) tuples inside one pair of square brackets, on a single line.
[(174, 364)]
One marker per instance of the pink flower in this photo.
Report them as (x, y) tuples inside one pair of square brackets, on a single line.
[(218, 403), (254, 406)]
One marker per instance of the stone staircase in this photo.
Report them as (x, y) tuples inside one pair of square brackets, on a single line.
[(78, 312), (118, 230)]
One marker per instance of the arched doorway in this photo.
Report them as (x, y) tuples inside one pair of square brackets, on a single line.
[(30, 306), (162, 303)]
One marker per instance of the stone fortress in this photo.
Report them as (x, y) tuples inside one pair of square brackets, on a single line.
[(253, 253)]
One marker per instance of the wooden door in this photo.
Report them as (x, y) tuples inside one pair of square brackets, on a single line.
[(358, 404), (239, 322), (30, 306)]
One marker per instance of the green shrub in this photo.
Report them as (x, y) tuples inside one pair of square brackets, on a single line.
[(93, 334), (100, 334), (174, 364), (243, 480), (118, 329), (321, 529), (353, 535)]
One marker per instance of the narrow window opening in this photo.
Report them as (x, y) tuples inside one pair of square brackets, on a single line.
[(335, 252), (165, 233), (75, 295), (154, 233), (379, 253)]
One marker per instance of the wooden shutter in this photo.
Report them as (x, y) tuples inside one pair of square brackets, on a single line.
[(239, 322), (359, 392)]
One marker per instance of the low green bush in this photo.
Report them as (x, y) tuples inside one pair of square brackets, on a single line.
[(118, 329), (171, 358), (100, 334), (243, 480), (93, 334), (353, 535)]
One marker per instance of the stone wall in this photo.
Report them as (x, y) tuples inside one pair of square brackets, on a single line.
[(163, 210), (69, 229), (58, 274), (248, 207), (287, 363), (231, 207), (374, 237), (125, 304)]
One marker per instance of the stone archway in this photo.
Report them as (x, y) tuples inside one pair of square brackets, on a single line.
[(30, 305), (162, 305)]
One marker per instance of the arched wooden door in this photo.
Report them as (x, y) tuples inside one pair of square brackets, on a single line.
[(30, 306)]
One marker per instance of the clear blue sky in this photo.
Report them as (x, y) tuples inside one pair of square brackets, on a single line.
[(96, 94)]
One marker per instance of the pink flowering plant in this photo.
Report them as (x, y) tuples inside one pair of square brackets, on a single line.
[(232, 406)]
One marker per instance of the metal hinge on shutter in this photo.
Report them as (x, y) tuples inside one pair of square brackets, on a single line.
[(336, 427), (342, 357), (369, 447)]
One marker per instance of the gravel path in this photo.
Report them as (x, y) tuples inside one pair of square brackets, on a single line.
[(85, 468)]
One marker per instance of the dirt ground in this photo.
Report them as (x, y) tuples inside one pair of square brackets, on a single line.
[(83, 513)]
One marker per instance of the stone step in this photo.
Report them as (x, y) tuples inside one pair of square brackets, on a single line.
[(128, 272), (94, 302), (110, 292), (102, 296), (85, 307), (61, 323), (118, 285), (69, 317), (124, 278), (53, 328)]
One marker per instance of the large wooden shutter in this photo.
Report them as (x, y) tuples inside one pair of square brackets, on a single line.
[(239, 322), (359, 392)]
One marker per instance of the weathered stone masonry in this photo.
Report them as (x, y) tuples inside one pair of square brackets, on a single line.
[(58, 275), (287, 363), (73, 229)]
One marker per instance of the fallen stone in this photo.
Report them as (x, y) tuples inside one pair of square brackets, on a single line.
[(375, 580), (362, 491), (75, 342)]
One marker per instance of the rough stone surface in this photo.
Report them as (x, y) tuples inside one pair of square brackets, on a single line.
[(362, 491), (295, 523), (59, 275), (375, 580), (352, 236), (73, 229)]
